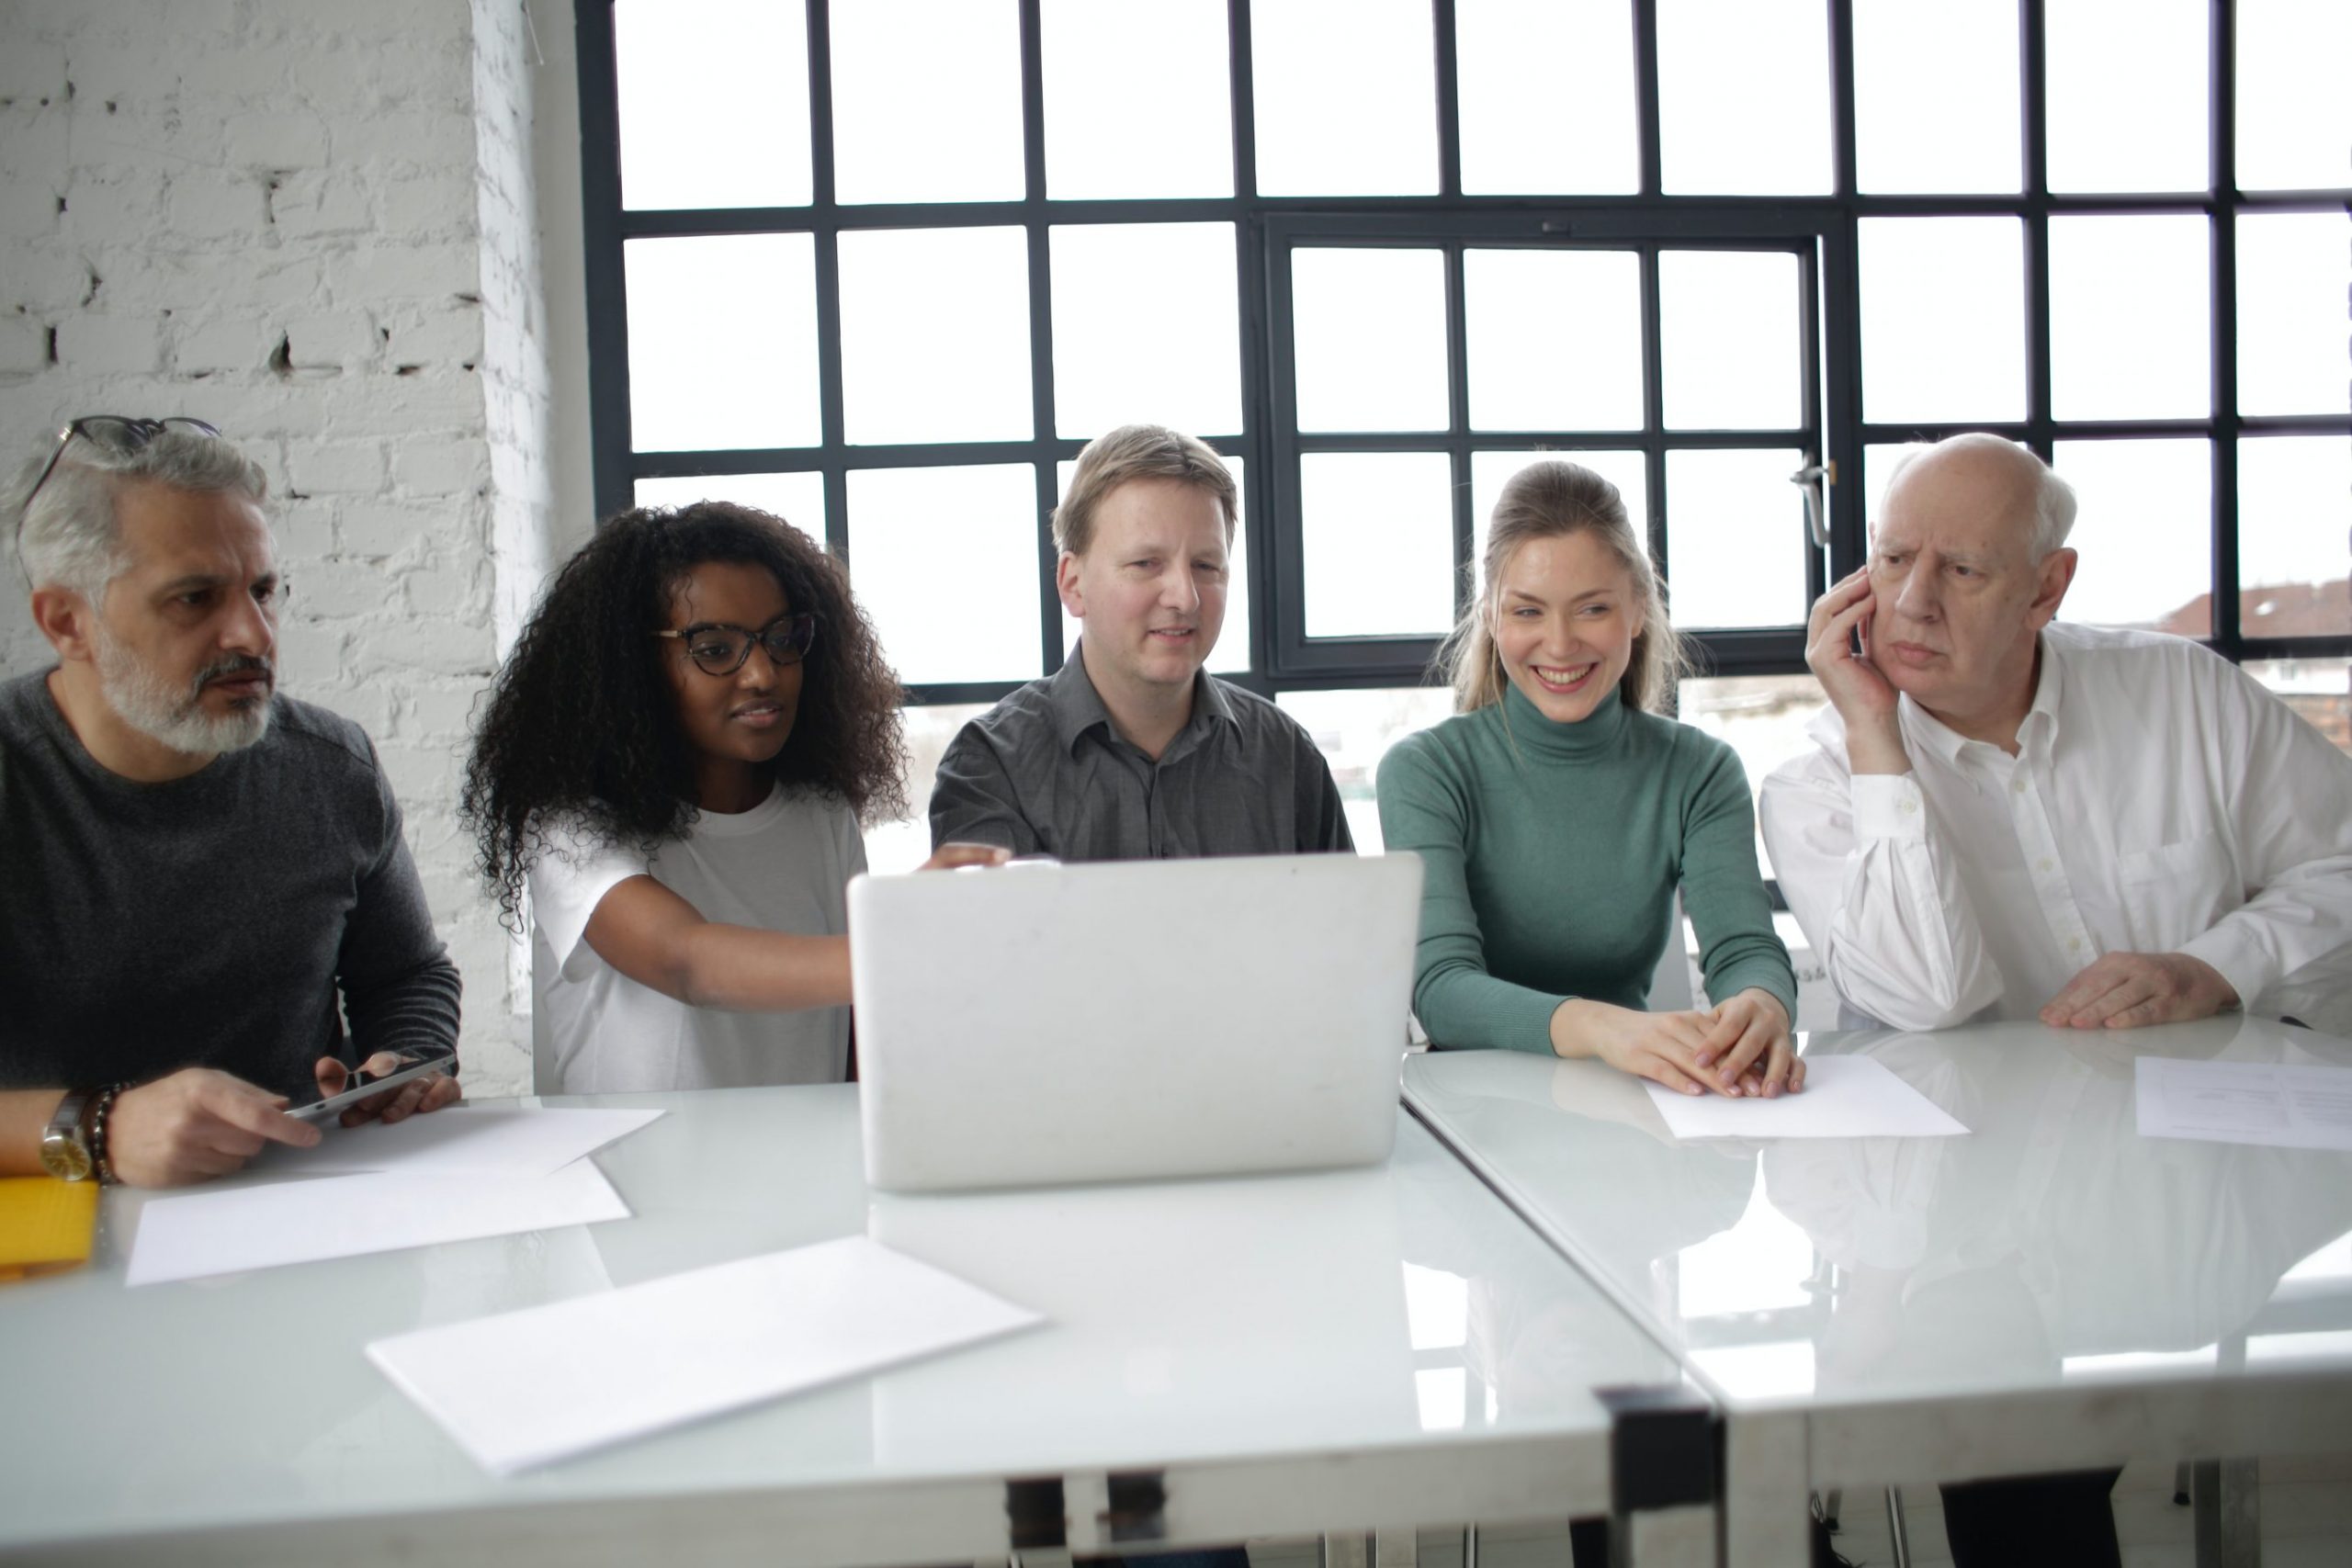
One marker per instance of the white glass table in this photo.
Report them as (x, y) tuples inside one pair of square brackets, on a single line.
[(1349, 1350), (2050, 1292)]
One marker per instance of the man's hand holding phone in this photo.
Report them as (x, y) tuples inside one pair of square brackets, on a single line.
[(201, 1123), (195, 1124), (390, 1087)]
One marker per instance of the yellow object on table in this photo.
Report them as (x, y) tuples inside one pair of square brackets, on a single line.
[(45, 1225)]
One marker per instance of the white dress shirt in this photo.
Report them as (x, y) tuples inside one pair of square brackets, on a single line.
[(2161, 801)]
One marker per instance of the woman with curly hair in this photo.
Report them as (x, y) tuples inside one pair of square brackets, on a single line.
[(673, 763)]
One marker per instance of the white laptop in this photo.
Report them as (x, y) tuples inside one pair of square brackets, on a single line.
[(1040, 1024)]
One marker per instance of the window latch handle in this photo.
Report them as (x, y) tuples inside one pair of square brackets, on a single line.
[(1816, 478)]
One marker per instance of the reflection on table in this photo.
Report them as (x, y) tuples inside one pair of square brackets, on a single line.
[(2056, 1242), (2053, 1250), (1295, 1353)]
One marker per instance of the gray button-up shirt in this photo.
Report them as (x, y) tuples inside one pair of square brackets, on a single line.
[(1043, 773)]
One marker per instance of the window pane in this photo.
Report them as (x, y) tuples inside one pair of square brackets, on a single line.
[(2294, 115), (892, 847), (1555, 339), (935, 334), (1369, 326), (1736, 539), (1354, 730), (722, 342), (1489, 471), (1377, 531), (714, 103), (946, 561), (927, 101), (1232, 654), (1936, 95), (2294, 276), (2130, 314), (2319, 689), (1521, 133), (1732, 345), (797, 498), (1346, 97), (1744, 96), (1145, 327), (2126, 86), (2292, 535), (1943, 320), (2145, 531), (1113, 130)]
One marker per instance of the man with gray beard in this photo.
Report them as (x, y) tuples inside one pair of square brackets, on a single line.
[(208, 908)]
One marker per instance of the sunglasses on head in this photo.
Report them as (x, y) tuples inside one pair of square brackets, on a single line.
[(118, 434)]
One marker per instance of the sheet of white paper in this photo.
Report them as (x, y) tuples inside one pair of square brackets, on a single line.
[(461, 1141), (237, 1228), (2275, 1104), (1844, 1097), (545, 1383)]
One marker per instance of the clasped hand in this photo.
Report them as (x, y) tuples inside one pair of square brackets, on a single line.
[(1738, 1048)]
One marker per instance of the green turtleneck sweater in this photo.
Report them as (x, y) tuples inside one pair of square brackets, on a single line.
[(1551, 858)]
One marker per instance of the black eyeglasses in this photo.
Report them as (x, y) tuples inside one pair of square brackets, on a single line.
[(119, 433), (718, 648)]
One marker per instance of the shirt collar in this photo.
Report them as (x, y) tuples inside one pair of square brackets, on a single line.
[(2040, 725), (1076, 708), (2036, 731)]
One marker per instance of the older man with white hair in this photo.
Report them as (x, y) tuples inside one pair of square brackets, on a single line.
[(209, 910), (2012, 818)]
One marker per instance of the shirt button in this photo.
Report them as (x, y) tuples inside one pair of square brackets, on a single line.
[(2043, 864), (1906, 805), (2017, 785), (2074, 945)]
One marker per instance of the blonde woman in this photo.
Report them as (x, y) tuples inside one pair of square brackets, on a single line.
[(1557, 812)]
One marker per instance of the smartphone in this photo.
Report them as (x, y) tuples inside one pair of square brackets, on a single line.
[(365, 1086)]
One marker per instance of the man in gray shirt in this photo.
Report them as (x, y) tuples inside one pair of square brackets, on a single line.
[(206, 881), (1131, 751)]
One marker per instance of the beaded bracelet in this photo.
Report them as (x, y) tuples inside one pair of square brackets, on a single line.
[(99, 1106)]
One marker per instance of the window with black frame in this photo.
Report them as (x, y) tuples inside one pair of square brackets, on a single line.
[(884, 267)]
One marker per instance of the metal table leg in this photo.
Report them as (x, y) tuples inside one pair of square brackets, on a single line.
[(2227, 1496)]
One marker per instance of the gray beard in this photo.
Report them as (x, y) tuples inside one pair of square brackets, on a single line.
[(148, 704)]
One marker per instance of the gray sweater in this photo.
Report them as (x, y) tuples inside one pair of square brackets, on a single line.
[(212, 921)]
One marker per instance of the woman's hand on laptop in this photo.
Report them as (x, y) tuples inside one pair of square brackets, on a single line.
[(950, 857)]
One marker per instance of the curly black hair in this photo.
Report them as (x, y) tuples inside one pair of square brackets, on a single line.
[(582, 723)]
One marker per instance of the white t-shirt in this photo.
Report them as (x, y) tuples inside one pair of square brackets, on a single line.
[(784, 865)]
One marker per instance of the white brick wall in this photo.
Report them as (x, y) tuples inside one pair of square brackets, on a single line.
[(313, 222)]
